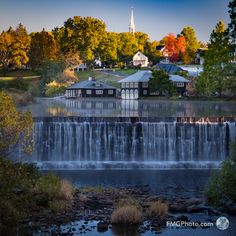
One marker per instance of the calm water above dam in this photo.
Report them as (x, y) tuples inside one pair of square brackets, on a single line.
[(128, 108)]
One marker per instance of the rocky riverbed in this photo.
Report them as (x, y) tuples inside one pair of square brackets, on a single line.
[(93, 206)]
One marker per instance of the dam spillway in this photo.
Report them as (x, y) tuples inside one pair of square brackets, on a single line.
[(122, 142)]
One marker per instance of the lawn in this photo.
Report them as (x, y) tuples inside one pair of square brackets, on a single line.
[(126, 71), (110, 79), (17, 73)]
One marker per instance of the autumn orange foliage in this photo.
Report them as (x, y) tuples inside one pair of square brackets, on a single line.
[(174, 47)]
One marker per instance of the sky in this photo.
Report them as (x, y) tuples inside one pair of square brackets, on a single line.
[(157, 18)]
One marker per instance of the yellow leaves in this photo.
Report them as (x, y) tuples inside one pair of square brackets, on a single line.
[(15, 127)]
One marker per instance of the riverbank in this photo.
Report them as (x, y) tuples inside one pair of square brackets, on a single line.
[(93, 208)]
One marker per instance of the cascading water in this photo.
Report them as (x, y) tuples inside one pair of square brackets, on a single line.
[(74, 143)]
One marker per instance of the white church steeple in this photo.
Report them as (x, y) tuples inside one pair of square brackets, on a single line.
[(132, 25)]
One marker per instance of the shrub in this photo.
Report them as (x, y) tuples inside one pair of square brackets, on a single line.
[(49, 185), (18, 83), (158, 209), (54, 88), (66, 191), (127, 215), (222, 188), (128, 211), (129, 202)]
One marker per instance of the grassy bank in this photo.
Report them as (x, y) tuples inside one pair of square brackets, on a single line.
[(25, 192), (108, 78)]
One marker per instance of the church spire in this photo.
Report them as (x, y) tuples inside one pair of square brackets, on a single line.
[(132, 25)]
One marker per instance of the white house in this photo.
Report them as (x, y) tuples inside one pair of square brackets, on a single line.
[(140, 59), (81, 67)]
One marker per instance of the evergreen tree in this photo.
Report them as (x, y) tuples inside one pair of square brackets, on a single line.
[(216, 59), (232, 25)]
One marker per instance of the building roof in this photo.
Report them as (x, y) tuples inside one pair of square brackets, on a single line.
[(193, 71), (140, 76), (90, 84), (178, 79), (169, 68)]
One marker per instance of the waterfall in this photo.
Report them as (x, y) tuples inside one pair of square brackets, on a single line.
[(129, 143)]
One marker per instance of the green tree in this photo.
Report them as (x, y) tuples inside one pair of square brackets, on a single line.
[(128, 47), (183, 73), (142, 39), (83, 35), (160, 82), (15, 127), (152, 53), (232, 24), (204, 85), (108, 49), (43, 47), (216, 59), (191, 44), (49, 71), (222, 187), (230, 75)]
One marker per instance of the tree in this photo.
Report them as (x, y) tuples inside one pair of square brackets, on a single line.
[(83, 35), (43, 47), (20, 47), (232, 27), (128, 47), (216, 59), (191, 44), (15, 127), (142, 39), (108, 49), (232, 24), (151, 52), (49, 71), (160, 83), (174, 47), (222, 188), (204, 85), (230, 77), (14, 46), (6, 40)]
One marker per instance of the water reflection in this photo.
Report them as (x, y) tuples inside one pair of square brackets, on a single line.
[(117, 107), (130, 230)]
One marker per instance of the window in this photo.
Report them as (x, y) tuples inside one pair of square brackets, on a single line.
[(123, 85), (145, 92), (135, 85), (145, 84), (88, 91), (110, 91), (99, 105), (180, 84), (110, 105), (99, 91), (131, 85), (127, 85)]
